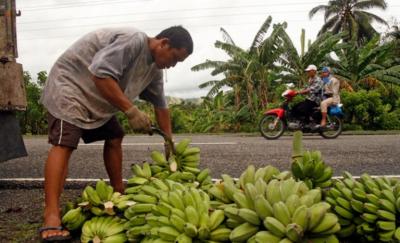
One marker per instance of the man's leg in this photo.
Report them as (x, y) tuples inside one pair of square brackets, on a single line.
[(324, 110), (112, 155), (56, 169), (309, 110)]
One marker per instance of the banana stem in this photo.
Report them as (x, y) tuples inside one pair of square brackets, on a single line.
[(297, 145)]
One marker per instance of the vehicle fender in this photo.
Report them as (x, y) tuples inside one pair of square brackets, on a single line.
[(278, 112)]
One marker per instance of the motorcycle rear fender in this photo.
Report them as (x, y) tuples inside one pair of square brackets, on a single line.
[(279, 112)]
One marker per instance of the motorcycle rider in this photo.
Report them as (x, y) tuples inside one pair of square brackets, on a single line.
[(314, 91), (330, 93)]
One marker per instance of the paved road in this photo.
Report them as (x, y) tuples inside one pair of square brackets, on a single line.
[(375, 154)]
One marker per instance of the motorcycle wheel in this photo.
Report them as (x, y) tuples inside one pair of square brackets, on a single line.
[(271, 127), (333, 129)]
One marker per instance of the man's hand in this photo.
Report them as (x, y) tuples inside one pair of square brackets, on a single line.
[(138, 120)]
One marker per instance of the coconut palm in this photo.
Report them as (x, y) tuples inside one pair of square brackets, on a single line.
[(350, 16)]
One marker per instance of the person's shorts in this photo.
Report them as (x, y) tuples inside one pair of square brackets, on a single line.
[(64, 133)]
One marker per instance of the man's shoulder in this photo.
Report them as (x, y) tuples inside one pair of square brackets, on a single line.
[(334, 79), (121, 31)]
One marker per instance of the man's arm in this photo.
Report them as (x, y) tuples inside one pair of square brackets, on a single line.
[(164, 120), (110, 90), (304, 91)]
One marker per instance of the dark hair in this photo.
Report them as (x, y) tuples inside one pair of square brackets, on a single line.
[(179, 37)]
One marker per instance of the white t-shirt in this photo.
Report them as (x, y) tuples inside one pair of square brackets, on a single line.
[(123, 54)]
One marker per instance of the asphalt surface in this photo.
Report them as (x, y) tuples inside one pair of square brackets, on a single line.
[(21, 209), (375, 154)]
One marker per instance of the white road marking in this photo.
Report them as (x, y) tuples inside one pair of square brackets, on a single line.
[(151, 144), (94, 179)]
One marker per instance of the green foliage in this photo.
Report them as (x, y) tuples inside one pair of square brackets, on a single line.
[(246, 72), (33, 120), (390, 121), (180, 119), (365, 108), (293, 63), (366, 67)]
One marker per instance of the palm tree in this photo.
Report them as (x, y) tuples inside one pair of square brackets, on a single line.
[(350, 16)]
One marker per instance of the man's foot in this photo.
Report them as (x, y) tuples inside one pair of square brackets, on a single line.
[(54, 237), (52, 229)]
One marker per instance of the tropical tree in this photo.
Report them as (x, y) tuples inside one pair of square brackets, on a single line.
[(350, 16), (369, 66), (395, 33), (247, 71), (293, 63)]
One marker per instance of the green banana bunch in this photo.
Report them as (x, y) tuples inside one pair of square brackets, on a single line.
[(366, 207), (309, 166), (287, 209), (348, 203), (174, 212), (104, 229), (104, 191), (102, 199), (74, 219), (141, 176)]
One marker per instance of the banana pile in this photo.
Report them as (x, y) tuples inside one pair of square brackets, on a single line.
[(309, 166), (103, 230), (368, 208), (172, 200), (275, 208), (182, 167), (98, 201), (222, 192), (174, 212)]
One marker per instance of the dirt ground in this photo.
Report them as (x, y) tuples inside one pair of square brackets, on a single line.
[(21, 213)]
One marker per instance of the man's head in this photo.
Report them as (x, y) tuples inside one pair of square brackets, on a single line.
[(325, 72), (171, 46), (311, 70)]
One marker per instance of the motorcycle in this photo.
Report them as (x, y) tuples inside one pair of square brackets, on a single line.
[(276, 121)]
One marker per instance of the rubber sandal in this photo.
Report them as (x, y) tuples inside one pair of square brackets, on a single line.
[(55, 237)]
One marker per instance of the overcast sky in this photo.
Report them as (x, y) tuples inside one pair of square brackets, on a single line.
[(47, 27)]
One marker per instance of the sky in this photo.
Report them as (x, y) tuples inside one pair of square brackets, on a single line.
[(47, 28)]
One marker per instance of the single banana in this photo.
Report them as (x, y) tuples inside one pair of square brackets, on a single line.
[(328, 221), (243, 232), (249, 215), (265, 236), (216, 218), (274, 226), (281, 213), (263, 207), (301, 216)]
